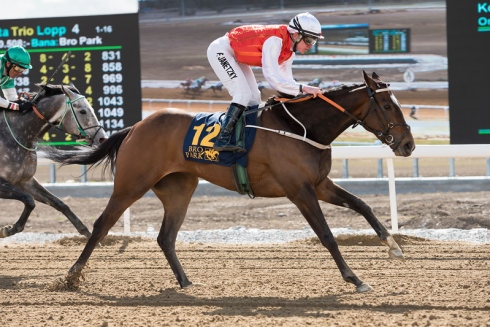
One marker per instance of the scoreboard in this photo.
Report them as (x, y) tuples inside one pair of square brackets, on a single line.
[(104, 62), (468, 41), (389, 40)]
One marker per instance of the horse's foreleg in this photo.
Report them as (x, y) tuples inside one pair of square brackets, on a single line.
[(44, 196), (175, 192), (306, 201), (330, 192), (9, 191)]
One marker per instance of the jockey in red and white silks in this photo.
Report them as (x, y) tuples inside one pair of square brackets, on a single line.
[(271, 47)]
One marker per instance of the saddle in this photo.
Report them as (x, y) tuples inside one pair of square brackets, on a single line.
[(199, 141)]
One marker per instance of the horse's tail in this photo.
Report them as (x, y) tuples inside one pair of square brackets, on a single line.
[(105, 153)]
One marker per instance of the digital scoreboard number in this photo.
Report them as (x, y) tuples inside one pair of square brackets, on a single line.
[(389, 40), (104, 63), (468, 40)]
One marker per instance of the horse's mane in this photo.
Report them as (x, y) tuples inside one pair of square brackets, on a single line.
[(328, 92), (48, 90)]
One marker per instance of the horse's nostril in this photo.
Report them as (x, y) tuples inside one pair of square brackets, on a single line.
[(102, 139), (409, 147)]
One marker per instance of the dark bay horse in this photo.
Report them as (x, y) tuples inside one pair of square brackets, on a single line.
[(149, 156), (57, 106)]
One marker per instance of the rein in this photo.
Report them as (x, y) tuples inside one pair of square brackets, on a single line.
[(12, 133), (292, 135), (389, 139)]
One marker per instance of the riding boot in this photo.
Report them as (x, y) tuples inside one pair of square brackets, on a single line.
[(224, 138)]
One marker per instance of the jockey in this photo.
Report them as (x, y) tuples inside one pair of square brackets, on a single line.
[(12, 64), (271, 47)]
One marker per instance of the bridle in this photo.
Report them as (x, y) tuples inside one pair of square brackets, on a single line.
[(384, 122), (68, 106)]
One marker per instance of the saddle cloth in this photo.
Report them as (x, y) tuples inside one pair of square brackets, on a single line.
[(200, 137)]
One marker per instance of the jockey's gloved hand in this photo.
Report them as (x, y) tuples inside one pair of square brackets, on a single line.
[(24, 105)]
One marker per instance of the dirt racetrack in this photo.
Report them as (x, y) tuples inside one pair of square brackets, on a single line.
[(129, 282), (294, 284)]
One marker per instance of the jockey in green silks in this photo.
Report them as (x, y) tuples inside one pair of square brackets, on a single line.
[(12, 64)]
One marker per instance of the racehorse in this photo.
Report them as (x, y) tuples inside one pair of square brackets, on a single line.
[(57, 106), (193, 87), (149, 155)]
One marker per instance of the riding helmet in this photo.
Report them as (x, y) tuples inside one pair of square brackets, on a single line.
[(19, 56), (306, 24)]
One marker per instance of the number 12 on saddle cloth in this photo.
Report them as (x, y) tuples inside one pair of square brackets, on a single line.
[(200, 137)]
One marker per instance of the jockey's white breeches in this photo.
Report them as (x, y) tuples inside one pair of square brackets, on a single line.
[(237, 78)]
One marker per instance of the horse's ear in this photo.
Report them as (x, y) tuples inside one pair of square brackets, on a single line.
[(365, 76), (67, 91), (375, 76), (369, 81)]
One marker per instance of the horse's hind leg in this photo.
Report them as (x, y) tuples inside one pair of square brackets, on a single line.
[(44, 196), (175, 191), (9, 191), (118, 203), (330, 192)]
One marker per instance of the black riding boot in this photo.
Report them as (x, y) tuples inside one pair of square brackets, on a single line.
[(224, 138)]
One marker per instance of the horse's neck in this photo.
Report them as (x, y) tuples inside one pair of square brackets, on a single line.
[(323, 122), (51, 107)]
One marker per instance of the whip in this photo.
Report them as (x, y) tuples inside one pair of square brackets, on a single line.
[(64, 60)]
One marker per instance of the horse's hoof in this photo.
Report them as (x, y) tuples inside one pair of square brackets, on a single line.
[(74, 278), (186, 284), (363, 288), (5, 231), (396, 254)]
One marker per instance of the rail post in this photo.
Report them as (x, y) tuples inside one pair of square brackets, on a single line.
[(52, 173), (416, 167), (345, 168)]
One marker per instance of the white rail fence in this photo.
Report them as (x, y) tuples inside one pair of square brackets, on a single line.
[(381, 152), (421, 151)]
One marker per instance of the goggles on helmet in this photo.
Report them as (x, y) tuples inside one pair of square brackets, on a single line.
[(309, 40), (18, 69)]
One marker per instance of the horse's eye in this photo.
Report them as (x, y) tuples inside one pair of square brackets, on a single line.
[(387, 107), (83, 112)]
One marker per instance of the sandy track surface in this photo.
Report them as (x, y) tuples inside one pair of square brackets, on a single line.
[(130, 284)]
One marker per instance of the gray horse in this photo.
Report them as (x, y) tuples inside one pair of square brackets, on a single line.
[(57, 106)]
